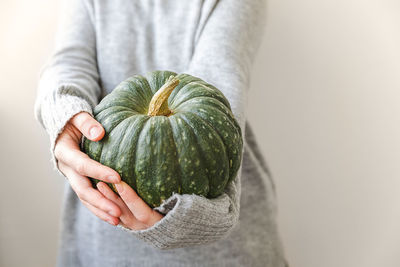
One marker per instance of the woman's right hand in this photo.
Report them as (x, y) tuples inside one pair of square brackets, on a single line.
[(76, 166)]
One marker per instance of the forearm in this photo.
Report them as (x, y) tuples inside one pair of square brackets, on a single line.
[(192, 220), (68, 83)]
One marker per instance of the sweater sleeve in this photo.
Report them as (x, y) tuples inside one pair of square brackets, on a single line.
[(224, 52), (68, 83)]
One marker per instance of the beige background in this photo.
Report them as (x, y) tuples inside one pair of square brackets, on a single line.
[(325, 106)]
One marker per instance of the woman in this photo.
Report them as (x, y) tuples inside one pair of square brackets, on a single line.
[(101, 43)]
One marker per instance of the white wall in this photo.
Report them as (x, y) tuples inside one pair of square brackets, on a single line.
[(30, 194), (324, 104)]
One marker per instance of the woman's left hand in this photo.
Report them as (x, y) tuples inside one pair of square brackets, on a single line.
[(136, 214)]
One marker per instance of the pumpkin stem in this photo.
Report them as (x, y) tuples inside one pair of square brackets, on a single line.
[(159, 102)]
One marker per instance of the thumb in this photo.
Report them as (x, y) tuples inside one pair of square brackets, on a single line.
[(88, 126)]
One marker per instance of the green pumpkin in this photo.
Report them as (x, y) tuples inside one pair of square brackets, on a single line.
[(168, 133)]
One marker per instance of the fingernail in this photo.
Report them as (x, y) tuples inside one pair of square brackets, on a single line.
[(94, 131), (114, 179), (120, 187)]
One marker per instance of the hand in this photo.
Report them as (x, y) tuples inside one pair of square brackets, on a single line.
[(76, 165), (136, 214)]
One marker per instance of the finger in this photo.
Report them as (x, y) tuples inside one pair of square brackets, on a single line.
[(101, 214), (84, 190), (88, 126), (136, 205), (109, 193), (126, 217), (69, 153)]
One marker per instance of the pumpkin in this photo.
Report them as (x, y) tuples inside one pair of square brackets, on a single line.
[(168, 133)]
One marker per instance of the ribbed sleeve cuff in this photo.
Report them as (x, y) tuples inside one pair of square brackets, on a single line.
[(190, 220), (54, 111)]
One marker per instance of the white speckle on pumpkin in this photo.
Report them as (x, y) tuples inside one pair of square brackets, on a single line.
[(221, 172), (192, 148), (225, 134), (184, 136), (148, 183), (153, 143), (220, 122), (197, 162), (191, 173), (210, 136), (211, 118), (149, 196), (230, 163), (162, 188)]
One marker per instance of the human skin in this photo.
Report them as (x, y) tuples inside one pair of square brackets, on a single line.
[(127, 209)]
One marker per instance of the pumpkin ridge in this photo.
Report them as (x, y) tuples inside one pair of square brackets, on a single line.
[(138, 87), (155, 165), (179, 178), (196, 89), (214, 110), (178, 117), (231, 157), (211, 103), (107, 120), (93, 149), (136, 126), (215, 177), (184, 79), (201, 152), (123, 98), (119, 122), (89, 146), (137, 159), (188, 101), (108, 160)]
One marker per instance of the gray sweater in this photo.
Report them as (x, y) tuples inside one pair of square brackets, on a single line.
[(99, 44)]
